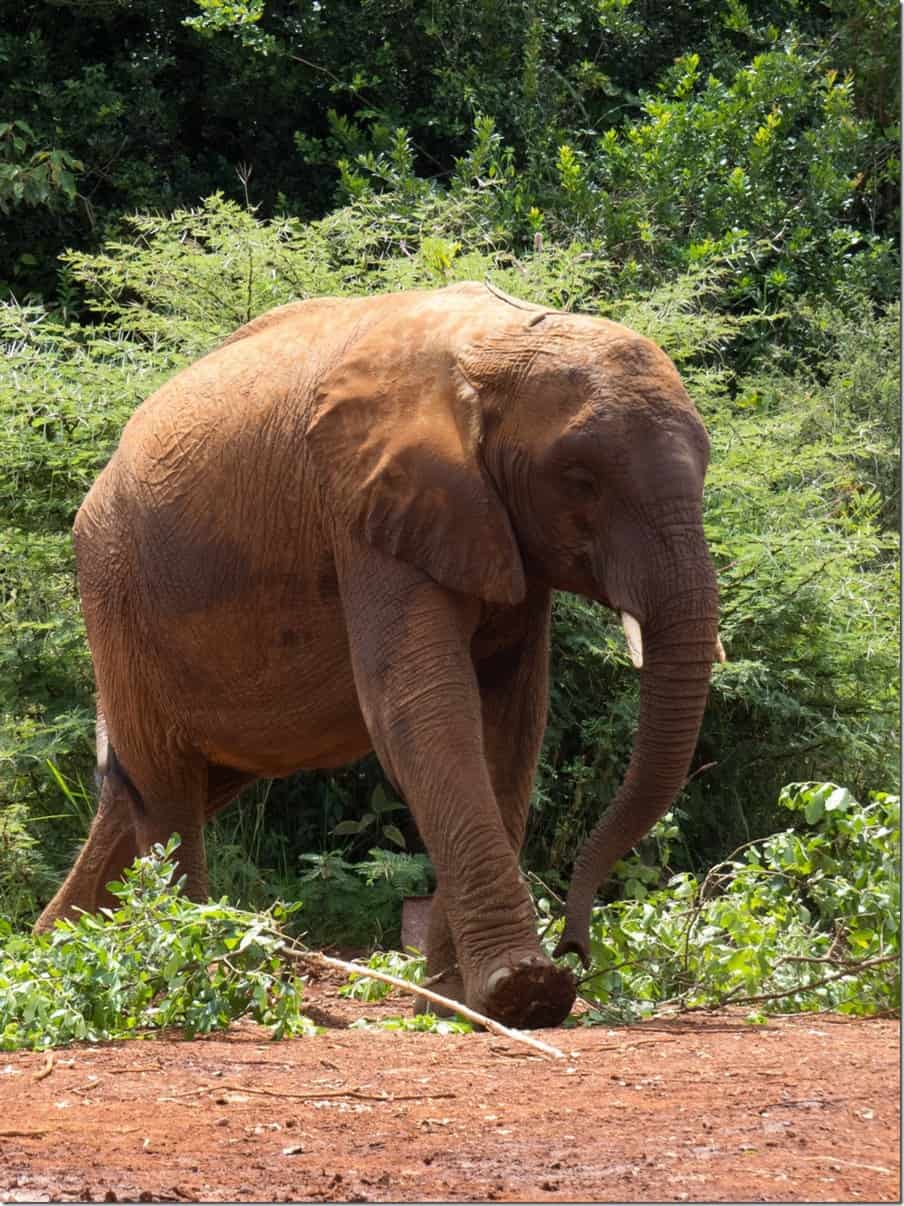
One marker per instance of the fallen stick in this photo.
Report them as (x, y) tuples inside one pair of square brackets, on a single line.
[(124, 1071), (47, 1068), (330, 1093), (358, 969), (879, 1168)]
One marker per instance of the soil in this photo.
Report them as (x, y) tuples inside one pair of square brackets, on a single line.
[(696, 1108)]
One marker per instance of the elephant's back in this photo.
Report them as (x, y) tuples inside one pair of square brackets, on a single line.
[(207, 520)]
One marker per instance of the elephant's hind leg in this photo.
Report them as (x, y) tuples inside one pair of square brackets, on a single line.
[(174, 799), (125, 826), (111, 845), (442, 961)]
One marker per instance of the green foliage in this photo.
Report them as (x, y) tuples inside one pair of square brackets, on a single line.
[(156, 960), (419, 1023), (774, 153), (654, 128), (807, 919), (393, 963), (359, 904), (29, 177), (187, 280), (404, 967), (372, 823), (25, 877)]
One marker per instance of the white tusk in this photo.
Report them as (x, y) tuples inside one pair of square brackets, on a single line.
[(720, 650), (634, 638), (102, 744)]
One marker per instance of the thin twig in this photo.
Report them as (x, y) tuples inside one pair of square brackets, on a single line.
[(356, 1093), (546, 888), (145, 1068), (849, 1164), (46, 1069), (699, 771), (850, 970), (358, 969), (850, 963)]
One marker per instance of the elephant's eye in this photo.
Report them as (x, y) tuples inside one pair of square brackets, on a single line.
[(580, 483)]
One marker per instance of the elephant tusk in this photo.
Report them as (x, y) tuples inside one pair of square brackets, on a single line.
[(102, 744), (720, 651), (634, 638)]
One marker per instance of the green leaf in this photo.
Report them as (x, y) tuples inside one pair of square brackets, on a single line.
[(394, 835)]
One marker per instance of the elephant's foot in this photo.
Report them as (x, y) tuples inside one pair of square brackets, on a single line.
[(529, 994), (448, 985)]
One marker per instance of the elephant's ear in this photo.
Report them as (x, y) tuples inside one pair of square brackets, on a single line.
[(395, 439)]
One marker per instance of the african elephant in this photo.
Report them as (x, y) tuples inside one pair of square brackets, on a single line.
[(339, 532)]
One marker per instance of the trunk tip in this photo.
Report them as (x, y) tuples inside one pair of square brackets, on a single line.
[(568, 944)]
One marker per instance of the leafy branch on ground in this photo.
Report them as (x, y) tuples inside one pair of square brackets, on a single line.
[(156, 960), (807, 919)]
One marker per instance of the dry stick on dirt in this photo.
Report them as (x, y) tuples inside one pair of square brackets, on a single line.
[(47, 1068), (358, 969), (829, 1159), (359, 1094)]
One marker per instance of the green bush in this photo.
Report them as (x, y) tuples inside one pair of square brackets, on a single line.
[(807, 919), (801, 511), (156, 960), (359, 904)]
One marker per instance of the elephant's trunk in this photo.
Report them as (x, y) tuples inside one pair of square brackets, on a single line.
[(678, 651)]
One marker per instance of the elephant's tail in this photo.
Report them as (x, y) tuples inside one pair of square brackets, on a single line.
[(108, 765)]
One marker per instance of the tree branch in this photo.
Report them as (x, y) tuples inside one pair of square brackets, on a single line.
[(358, 969)]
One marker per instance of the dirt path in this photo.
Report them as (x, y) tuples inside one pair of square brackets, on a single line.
[(697, 1109)]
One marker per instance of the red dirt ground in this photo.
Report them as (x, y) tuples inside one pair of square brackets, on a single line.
[(699, 1108)]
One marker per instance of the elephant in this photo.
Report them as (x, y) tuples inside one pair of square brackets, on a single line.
[(339, 532)]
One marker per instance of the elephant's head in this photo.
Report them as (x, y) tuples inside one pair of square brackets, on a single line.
[(487, 440)]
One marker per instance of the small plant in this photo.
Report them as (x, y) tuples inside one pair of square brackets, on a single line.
[(420, 1023), (373, 824), (406, 967), (157, 960), (359, 904)]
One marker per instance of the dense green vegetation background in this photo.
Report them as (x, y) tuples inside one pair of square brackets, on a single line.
[(721, 176)]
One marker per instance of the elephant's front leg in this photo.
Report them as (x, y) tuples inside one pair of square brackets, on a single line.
[(513, 675), (410, 643)]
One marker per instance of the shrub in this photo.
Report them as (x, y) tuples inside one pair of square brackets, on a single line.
[(156, 960), (807, 919)]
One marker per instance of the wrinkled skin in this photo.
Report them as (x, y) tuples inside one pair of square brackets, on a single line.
[(340, 531)]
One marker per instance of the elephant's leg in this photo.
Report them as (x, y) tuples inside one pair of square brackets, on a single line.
[(514, 703), (410, 644), (111, 845), (223, 785), (169, 793), (163, 790), (443, 971), (120, 831)]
